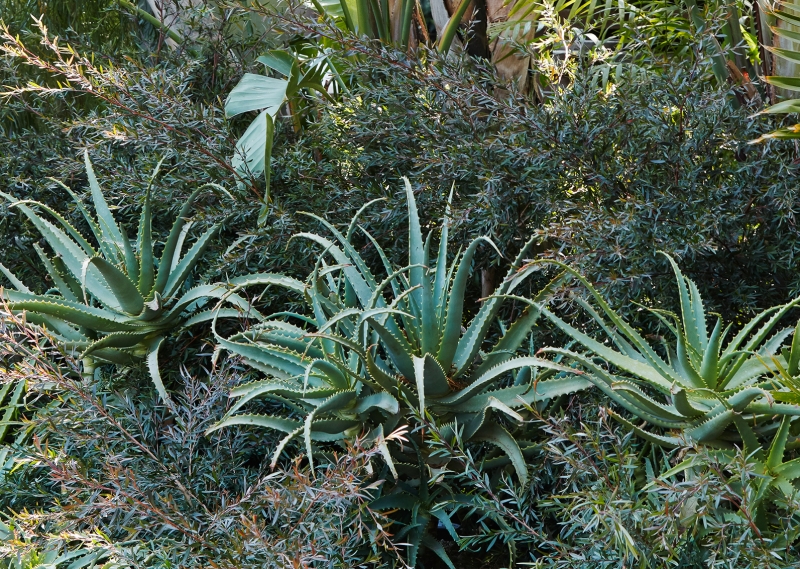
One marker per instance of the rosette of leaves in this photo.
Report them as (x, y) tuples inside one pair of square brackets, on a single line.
[(110, 303), (698, 384), (370, 353)]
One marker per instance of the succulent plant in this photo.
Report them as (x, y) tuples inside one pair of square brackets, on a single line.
[(110, 303), (698, 387), (369, 350)]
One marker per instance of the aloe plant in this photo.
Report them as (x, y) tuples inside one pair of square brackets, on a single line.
[(368, 350), (705, 390), (774, 478), (110, 303), (370, 355)]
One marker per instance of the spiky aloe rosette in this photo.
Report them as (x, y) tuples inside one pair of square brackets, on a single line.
[(369, 350), (110, 303), (696, 386)]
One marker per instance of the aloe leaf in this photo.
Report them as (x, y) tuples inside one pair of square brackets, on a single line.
[(391, 384), (71, 231), (694, 330), (683, 364), (387, 265), (78, 314), (790, 470), (363, 290), (638, 397), (778, 446), (383, 401), (144, 240), (118, 340), (338, 402), (622, 344), (712, 428), (741, 399), (738, 360), (440, 280), (353, 257), (395, 501), (498, 436), (472, 426), (124, 290), (669, 442), (398, 349), (208, 315), (633, 366), (58, 280), (793, 367), (272, 388), (423, 295), (109, 229), (152, 365), (772, 409), (275, 423), (680, 401), (709, 366), (15, 282), (518, 331), (432, 543), (62, 330), (455, 307), (604, 381), (521, 395), (751, 445), (481, 382), (171, 252), (332, 374), (185, 266), (430, 379), (751, 369), (73, 257)]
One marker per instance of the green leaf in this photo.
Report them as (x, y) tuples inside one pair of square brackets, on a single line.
[(185, 266), (170, 256), (275, 423), (430, 379), (152, 367), (338, 402), (498, 436), (111, 234), (383, 401), (787, 54), (251, 148), (256, 92), (15, 282), (455, 307), (78, 314), (121, 286), (63, 287), (790, 83), (481, 382), (778, 446), (145, 240), (278, 59)]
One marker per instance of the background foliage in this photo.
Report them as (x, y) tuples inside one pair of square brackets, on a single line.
[(620, 137)]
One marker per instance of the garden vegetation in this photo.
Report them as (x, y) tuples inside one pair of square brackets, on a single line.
[(395, 283)]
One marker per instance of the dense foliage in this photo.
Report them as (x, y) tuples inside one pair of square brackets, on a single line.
[(488, 364)]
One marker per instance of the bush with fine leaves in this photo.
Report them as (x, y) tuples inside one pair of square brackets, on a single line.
[(142, 480), (606, 177)]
